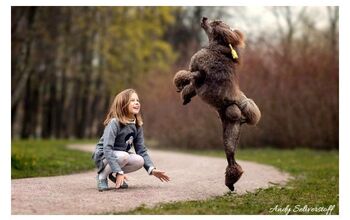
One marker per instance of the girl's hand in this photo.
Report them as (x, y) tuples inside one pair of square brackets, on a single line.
[(120, 180), (160, 175)]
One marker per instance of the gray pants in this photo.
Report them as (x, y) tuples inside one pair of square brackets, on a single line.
[(129, 162)]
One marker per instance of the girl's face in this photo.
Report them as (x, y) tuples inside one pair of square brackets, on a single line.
[(134, 105)]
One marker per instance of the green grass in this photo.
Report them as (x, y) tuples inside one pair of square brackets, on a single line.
[(315, 184), (33, 158)]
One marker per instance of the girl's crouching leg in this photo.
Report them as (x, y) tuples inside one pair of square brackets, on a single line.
[(135, 162)]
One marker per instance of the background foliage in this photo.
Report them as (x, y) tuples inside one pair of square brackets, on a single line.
[(69, 62)]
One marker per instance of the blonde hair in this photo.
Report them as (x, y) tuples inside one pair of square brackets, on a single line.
[(119, 109)]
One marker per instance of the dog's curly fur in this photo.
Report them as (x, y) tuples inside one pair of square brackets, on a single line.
[(212, 76)]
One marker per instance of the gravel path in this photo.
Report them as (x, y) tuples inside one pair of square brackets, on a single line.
[(192, 178)]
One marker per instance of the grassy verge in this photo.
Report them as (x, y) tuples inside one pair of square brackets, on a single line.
[(316, 182), (33, 158), (316, 185)]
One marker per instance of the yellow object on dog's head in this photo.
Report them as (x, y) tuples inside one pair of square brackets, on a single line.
[(233, 52)]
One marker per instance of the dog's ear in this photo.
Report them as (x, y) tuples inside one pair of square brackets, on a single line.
[(236, 38), (233, 37), (240, 38)]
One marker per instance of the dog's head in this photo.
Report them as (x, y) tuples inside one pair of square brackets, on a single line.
[(220, 33)]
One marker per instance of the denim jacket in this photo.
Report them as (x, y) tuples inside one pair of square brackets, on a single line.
[(119, 137)]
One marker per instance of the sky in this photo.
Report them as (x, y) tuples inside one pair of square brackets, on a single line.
[(255, 20)]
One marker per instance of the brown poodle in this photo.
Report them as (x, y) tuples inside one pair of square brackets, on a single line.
[(212, 76)]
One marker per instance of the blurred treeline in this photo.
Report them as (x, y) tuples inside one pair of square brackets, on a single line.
[(69, 62)]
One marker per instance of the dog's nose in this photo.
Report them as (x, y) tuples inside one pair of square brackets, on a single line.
[(204, 19)]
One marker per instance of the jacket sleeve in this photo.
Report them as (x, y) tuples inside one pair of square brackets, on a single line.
[(109, 134), (141, 150)]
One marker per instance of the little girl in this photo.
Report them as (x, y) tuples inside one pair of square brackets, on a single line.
[(123, 129)]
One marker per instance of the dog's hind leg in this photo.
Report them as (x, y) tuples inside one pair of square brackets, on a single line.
[(250, 111), (231, 124)]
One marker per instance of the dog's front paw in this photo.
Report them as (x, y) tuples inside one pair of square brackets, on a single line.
[(181, 79)]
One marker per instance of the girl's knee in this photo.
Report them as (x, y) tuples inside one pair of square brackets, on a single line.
[(140, 161), (136, 162), (122, 157)]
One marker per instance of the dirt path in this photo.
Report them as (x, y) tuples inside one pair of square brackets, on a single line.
[(192, 178)]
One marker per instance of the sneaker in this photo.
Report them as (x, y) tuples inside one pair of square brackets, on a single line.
[(102, 184), (124, 185), (114, 180)]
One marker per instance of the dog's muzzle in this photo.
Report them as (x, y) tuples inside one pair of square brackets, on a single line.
[(204, 22)]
